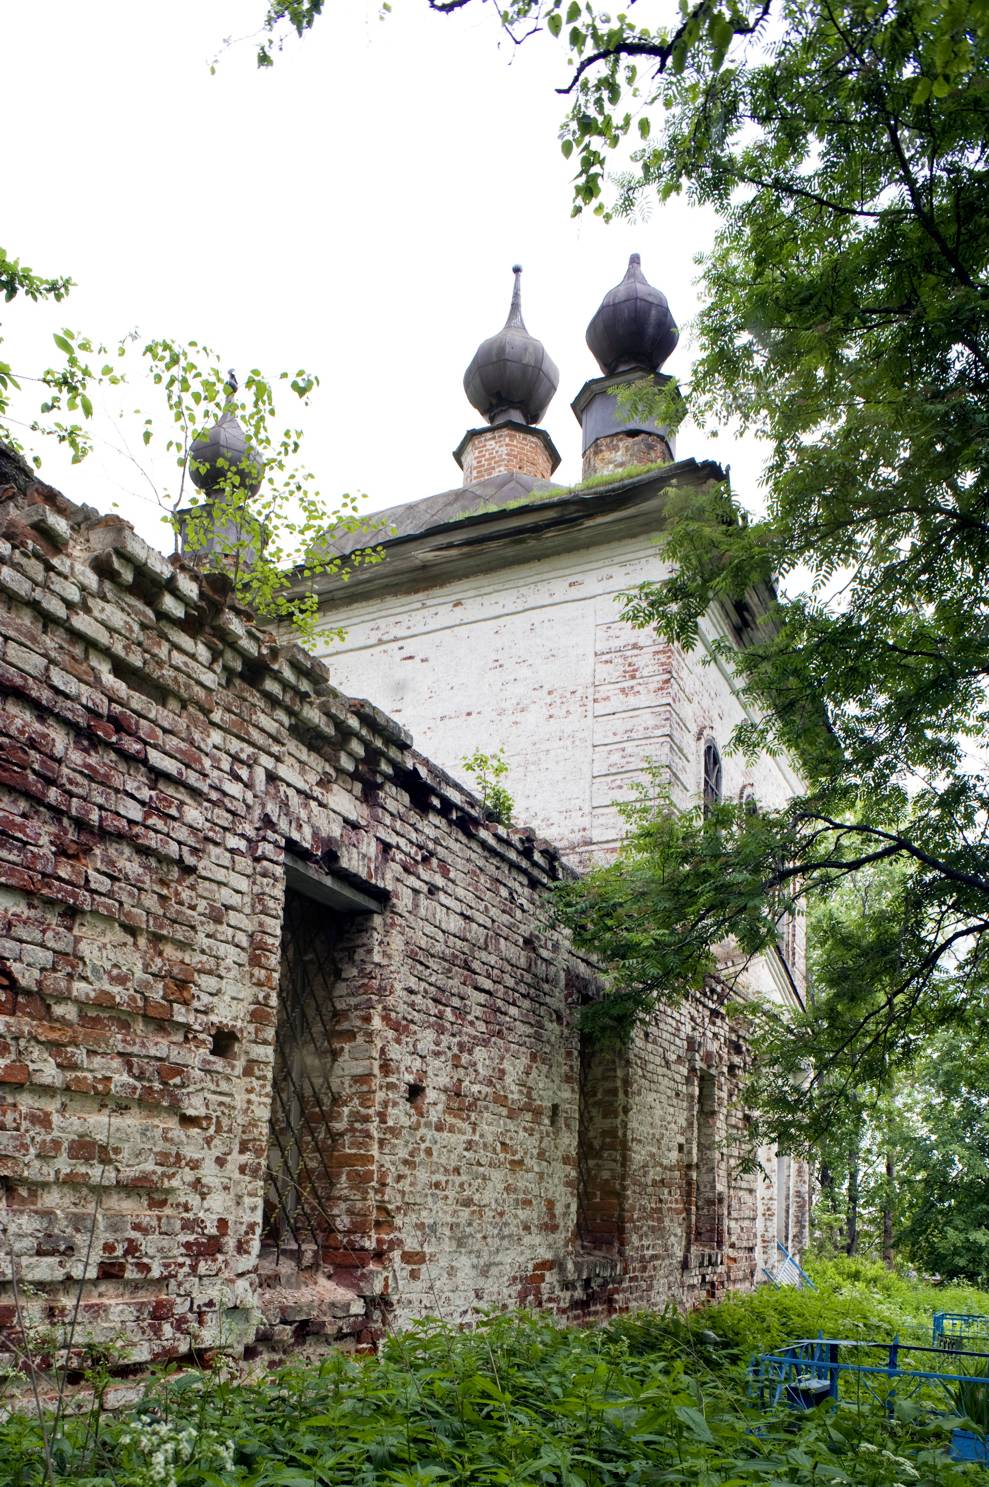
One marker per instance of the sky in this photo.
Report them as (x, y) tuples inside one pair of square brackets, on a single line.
[(354, 210)]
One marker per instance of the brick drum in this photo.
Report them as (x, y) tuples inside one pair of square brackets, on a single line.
[(288, 1041), (614, 453), (506, 447)]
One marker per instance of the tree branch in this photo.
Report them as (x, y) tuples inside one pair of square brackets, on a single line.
[(661, 51)]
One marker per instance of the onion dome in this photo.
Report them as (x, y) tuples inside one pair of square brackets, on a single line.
[(511, 376), (633, 327), (225, 448)]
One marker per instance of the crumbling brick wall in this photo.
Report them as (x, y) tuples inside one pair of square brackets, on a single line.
[(170, 778)]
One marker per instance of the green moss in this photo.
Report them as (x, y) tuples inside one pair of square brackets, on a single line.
[(632, 472), (557, 492), (648, 1398)]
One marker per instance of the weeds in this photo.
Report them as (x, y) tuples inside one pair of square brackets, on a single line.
[(519, 1401)]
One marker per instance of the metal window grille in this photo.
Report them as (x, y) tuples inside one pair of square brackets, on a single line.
[(712, 776), (299, 1179)]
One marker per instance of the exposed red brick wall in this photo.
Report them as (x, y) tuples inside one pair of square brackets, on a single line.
[(506, 448), (161, 756)]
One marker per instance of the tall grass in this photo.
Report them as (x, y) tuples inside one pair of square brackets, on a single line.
[(521, 1401)]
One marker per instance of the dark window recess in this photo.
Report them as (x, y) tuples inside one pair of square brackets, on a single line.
[(712, 776), (414, 1093), (224, 1044), (707, 1214), (601, 1148), (786, 935), (299, 1179)]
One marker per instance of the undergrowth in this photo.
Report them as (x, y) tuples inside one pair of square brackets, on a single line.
[(521, 1401)]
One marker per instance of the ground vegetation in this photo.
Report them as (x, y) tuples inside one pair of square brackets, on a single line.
[(522, 1400)]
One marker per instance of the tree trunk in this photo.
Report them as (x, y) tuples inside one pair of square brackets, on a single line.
[(888, 1211), (852, 1207)]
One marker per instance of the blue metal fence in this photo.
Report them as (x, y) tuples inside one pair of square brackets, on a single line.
[(953, 1331), (948, 1377), (812, 1370), (788, 1271)]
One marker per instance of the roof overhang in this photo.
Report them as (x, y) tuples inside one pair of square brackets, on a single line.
[(507, 536)]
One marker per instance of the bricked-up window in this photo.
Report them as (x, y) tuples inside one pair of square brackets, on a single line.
[(712, 776), (706, 1216), (601, 1147)]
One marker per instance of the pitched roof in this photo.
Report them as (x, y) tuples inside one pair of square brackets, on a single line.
[(414, 517)]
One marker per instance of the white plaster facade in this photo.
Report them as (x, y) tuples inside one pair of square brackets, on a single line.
[(529, 653)]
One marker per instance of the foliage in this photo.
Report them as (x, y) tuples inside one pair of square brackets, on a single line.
[(65, 387), (273, 545), (682, 883), (489, 770), (521, 1400), (847, 321)]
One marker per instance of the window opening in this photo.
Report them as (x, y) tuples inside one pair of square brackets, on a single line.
[(600, 1147), (786, 935), (299, 1177), (783, 1200), (712, 777), (707, 1225)]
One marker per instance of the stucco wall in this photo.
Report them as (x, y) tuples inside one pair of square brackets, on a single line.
[(533, 657)]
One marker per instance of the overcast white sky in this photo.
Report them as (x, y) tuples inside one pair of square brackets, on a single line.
[(354, 210)]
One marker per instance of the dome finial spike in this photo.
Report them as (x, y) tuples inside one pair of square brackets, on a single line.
[(511, 377), (515, 309)]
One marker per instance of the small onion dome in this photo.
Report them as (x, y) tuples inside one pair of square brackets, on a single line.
[(633, 327), (223, 449), (511, 375)]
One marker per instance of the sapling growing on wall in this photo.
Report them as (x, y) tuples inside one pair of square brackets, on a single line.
[(488, 770)]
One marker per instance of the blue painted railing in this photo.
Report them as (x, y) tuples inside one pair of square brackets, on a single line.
[(809, 1372), (956, 1330), (788, 1271)]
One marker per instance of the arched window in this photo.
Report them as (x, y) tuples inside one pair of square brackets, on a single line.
[(712, 776)]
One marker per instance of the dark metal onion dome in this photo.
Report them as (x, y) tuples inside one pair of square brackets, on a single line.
[(225, 448), (633, 327), (511, 375)]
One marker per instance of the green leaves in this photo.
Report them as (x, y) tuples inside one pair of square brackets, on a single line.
[(488, 770), (517, 1401)]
